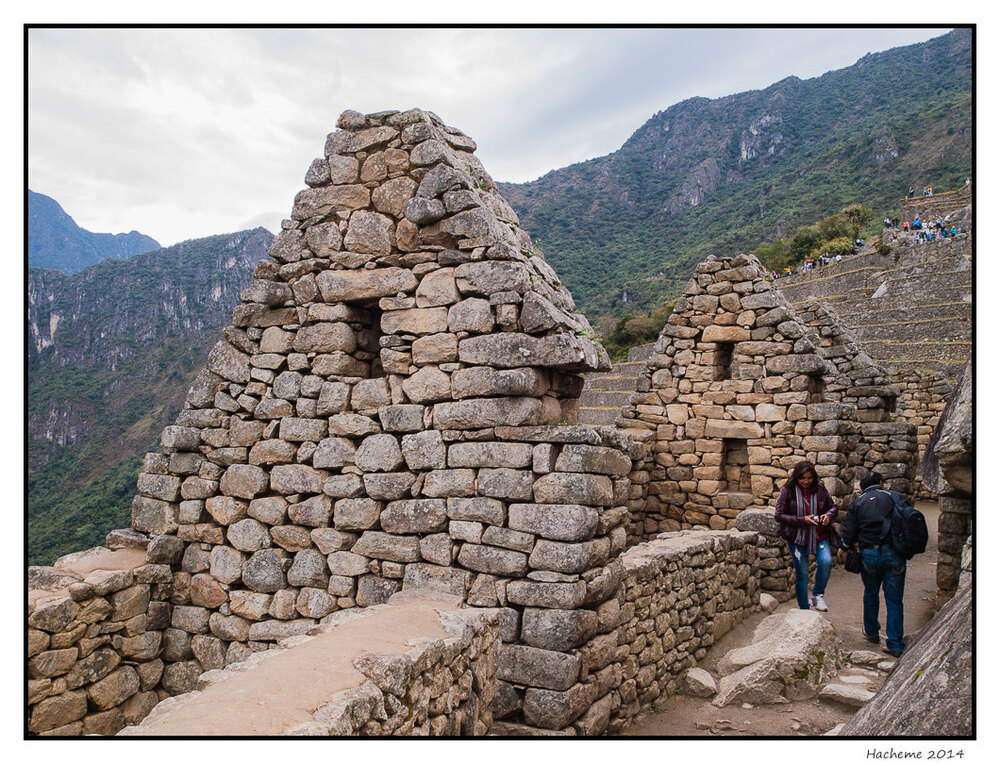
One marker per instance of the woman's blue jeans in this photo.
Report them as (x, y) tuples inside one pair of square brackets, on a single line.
[(882, 568), (800, 561)]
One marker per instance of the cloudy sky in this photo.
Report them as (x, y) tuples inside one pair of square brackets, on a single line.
[(182, 133)]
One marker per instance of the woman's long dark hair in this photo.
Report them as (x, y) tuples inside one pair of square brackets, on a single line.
[(801, 469)]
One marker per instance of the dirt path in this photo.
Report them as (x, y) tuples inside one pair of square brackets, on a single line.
[(686, 715)]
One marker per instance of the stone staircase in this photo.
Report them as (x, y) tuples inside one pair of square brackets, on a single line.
[(605, 393), (911, 309)]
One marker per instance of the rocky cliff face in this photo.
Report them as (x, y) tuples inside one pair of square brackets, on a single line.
[(111, 351), (102, 316), (56, 241)]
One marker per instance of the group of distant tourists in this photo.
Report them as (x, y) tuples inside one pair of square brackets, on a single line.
[(927, 231), (929, 190), (809, 264), (805, 512)]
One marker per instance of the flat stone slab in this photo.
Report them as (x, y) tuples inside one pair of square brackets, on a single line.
[(846, 695), (83, 563), (699, 683), (284, 690)]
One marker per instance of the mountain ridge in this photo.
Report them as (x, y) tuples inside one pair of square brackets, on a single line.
[(704, 175), (57, 242)]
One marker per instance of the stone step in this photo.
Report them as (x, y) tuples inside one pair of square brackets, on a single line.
[(908, 331), (641, 352), (612, 382), (957, 310), (846, 695), (601, 398), (599, 415)]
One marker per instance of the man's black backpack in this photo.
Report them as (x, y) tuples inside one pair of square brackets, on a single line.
[(905, 528)]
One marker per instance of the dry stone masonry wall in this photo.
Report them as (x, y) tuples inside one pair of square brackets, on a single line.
[(439, 686), (385, 414), (947, 470), (923, 396), (395, 408), (886, 444), (859, 380), (683, 591), (736, 394), (94, 660), (677, 594)]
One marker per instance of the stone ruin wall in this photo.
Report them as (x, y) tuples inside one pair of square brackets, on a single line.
[(431, 686), (392, 409), (947, 470), (740, 388), (94, 661), (888, 442), (923, 397)]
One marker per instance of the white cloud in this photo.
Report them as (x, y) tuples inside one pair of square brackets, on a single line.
[(188, 132)]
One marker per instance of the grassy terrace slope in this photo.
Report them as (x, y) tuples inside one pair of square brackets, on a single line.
[(723, 175)]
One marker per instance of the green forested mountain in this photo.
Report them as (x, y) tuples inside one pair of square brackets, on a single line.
[(624, 230), (55, 240), (111, 353)]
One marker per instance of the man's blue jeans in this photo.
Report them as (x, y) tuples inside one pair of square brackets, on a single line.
[(882, 567), (800, 561)]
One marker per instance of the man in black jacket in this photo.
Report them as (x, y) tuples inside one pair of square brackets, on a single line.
[(881, 566)]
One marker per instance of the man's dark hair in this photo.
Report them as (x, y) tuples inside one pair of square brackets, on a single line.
[(872, 478)]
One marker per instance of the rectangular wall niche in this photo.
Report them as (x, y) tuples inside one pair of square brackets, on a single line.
[(817, 388), (371, 340), (736, 466), (723, 361)]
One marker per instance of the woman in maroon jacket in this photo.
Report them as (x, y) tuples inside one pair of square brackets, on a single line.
[(804, 512)]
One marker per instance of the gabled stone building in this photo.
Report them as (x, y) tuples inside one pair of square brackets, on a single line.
[(383, 414), (740, 389)]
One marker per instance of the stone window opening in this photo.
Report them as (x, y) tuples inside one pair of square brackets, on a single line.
[(817, 390), (371, 340), (723, 361), (735, 466)]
